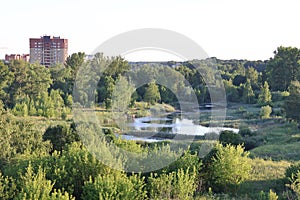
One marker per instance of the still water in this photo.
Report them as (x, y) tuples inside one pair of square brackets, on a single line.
[(181, 126)]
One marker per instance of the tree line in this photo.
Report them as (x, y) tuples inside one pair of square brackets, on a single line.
[(32, 89)]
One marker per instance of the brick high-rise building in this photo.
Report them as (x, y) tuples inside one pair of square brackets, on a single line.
[(10, 57), (48, 50)]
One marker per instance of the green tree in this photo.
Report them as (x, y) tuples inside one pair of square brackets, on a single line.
[(152, 94), (36, 186), (6, 77), (44, 105), (230, 137), (231, 91), (60, 135), (7, 187), (283, 68), (75, 61), (20, 109), (180, 184), (118, 66), (248, 94), (265, 96), (32, 109), (114, 186), (109, 87), (265, 112), (72, 178), (30, 80), (292, 103), (57, 101), (20, 137), (295, 184), (226, 167), (252, 75), (62, 79), (239, 79), (121, 95), (69, 101)]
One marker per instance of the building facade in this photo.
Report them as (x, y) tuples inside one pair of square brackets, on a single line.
[(48, 50), (10, 57)]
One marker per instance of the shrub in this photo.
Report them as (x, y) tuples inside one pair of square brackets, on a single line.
[(252, 142), (268, 196), (60, 135), (245, 131), (295, 185), (20, 109), (185, 162), (291, 172), (175, 185), (265, 112), (230, 137), (226, 167), (36, 186), (7, 187), (114, 186)]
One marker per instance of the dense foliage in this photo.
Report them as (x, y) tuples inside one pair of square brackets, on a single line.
[(42, 155)]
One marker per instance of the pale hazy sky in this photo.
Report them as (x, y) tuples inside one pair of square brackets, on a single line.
[(240, 29)]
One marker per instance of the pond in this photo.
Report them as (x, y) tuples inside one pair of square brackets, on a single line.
[(168, 127)]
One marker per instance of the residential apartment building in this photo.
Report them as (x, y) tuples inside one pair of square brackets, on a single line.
[(48, 50), (10, 57)]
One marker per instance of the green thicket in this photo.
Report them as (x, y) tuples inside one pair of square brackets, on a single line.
[(43, 159)]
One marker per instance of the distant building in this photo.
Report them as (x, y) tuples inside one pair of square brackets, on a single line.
[(48, 50), (10, 57), (89, 57)]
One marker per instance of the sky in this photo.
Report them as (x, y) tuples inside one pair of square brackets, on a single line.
[(226, 29)]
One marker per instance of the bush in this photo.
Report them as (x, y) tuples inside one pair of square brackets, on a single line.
[(60, 135), (291, 172), (295, 185), (185, 162), (245, 132), (7, 187), (252, 142), (114, 186), (265, 112), (268, 196), (36, 186), (230, 137), (175, 185), (226, 179), (20, 110)]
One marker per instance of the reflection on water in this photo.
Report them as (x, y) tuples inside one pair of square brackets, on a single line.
[(182, 126)]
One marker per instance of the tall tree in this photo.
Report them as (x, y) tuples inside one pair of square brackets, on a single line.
[(292, 103), (5, 80), (30, 80), (152, 94), (252, 75), (283, 68), (75, 61), (248, 94), (265, 96)]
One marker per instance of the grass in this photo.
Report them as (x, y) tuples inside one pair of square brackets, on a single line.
[(281, 142), (265, 175)]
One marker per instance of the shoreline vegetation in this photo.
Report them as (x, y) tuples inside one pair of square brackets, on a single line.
[(44, 154)]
